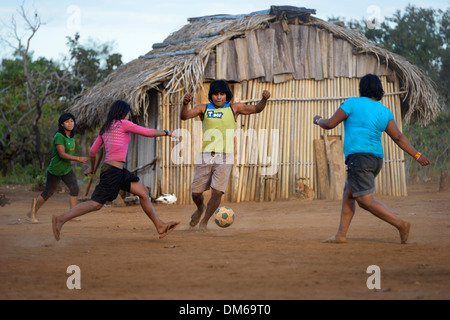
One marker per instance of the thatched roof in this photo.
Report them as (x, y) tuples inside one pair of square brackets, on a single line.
[(179, 64)]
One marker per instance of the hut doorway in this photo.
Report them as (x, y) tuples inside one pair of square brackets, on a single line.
[(143, 158)]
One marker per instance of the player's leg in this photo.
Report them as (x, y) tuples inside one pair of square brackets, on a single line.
[(347, 213), (141, 191), (36, 204), (379, 210), (70, 180), (77, 211), (199, 202), (49, 190), (200, 183), (219, 181), (213, 204)]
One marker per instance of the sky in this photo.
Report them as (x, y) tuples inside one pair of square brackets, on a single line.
[(132, 27)]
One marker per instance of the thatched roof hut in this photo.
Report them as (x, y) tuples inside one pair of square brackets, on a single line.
[(309, 65)]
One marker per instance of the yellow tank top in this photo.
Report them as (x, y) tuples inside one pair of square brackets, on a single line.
[(219, 125)]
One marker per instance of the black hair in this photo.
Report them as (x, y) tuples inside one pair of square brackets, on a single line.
[(220, 86), (63, 118), (118, 110), (370, 86)]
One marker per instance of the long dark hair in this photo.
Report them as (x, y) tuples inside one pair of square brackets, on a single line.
[(370, 86), (63, 118), (118, 110), (220, 86)]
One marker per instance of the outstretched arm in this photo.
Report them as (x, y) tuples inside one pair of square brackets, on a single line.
[(400, 139), (63, 155), (240, 108), (332, 122)]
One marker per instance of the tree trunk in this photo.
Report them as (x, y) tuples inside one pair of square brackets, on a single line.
[(37, 136)]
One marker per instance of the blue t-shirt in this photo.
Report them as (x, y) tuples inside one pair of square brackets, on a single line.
[(367, 119)]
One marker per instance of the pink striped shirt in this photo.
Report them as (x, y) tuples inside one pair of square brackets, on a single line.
[(117, 138)]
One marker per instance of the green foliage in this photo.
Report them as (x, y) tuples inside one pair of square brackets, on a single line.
[(433, 140), (17, 106), (17, 142), (91, 63), (28, 175), (422, 37)]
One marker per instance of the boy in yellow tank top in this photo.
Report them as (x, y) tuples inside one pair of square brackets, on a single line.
[(217, 154)]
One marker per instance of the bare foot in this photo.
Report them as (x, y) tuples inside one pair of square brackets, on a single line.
[(336, 239), (404, 232), (32, 213), (195, 218), (203, 227)]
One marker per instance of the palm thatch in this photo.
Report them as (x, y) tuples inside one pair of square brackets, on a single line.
[(179, 63)]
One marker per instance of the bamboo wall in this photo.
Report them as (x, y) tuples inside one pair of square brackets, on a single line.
[(289, 113)]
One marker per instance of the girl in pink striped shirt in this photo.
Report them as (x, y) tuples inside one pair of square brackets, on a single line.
[(115, 136)]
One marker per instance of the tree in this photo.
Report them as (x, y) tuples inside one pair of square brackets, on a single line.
[(42, 81), (91, 63), (422, 37), (34, 92), (18, 113)]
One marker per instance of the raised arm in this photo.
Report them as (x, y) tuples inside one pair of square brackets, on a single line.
[(400, 139), (240, 108), (186, 113)]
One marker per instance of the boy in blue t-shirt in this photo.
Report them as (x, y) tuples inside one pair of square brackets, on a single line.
[(365, 119)]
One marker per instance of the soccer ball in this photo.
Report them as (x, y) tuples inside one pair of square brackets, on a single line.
[(224, 217)]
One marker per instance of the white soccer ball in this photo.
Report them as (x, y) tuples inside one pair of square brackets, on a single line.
[(224, 217)]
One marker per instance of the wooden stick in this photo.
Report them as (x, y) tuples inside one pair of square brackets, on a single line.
[(97, 165)]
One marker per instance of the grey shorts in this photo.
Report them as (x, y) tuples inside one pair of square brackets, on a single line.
[(362, 169), (212, 171)]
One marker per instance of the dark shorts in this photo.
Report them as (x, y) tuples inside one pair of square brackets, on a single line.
[(112, 180), (70, 180), (362, 169)]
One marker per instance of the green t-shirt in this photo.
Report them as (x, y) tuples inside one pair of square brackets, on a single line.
[(58, 166)]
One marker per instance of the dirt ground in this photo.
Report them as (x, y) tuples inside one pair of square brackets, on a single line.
[(273, 251)]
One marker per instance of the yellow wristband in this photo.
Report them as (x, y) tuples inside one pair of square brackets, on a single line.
[(417, 156)]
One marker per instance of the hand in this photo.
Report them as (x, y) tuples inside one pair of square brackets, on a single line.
[(187, 99), (315, 119), (83, 159), (174, 134), (423, 160), (88, 171), (266, 94)]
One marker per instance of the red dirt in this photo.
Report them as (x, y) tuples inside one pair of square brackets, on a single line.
[(272, 251)]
